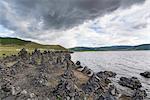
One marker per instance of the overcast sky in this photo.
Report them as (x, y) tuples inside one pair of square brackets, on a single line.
[(77, 22)]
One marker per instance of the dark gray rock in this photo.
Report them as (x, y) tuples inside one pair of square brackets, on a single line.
[(67, 88), (132, 83), (78, 63), (6, 87), (106, 74), (145, 74), (139, 95)]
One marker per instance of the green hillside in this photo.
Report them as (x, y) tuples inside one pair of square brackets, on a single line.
[(12, 41), (13, 45), (113, 48)]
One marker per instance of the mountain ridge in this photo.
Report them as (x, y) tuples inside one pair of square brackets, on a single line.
[(113, 48), (16, 42), (9, 46)]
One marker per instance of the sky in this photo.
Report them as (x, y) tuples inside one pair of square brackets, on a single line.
[(70, 23)]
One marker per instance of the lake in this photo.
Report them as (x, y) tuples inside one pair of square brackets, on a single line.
[(124, 63)]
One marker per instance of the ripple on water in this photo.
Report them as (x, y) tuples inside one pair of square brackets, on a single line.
[(124, 63)]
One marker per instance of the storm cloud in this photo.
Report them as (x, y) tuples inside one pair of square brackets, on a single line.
[(56, 14), (37, 18)]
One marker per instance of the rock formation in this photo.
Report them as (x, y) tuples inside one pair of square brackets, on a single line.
[(51, 75), (145, 74)]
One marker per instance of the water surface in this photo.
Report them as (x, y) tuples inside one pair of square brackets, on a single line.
[(124, 63)]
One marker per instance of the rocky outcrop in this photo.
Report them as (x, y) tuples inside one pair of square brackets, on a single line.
[(85, 70), (145, 74), (132, 83), (99, 86), (31, 76), (67, 88), (139, 95), (51, 75), (106, 74)]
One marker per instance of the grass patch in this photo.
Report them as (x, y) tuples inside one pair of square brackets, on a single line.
[(9, 46), (6, 50)]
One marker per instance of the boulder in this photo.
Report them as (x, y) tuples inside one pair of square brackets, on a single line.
[(132, 82), (106, 74), (95, 83), (78, 63), (139, 95), (87, 71), (67, 88), (1, 66), (145, 74)]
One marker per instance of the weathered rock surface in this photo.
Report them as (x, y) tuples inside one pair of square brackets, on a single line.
[(106, 74), (139, 95), (145, 74), (132, 82), (67, 88), (51, 75)]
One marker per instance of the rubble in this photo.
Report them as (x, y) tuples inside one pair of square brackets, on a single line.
[(132, 82), (49, 75)]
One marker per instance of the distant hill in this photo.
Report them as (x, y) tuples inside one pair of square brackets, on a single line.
[(12, 41), (19, 43), (113, 48)]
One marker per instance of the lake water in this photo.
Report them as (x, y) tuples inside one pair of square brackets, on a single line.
[(124, 63)]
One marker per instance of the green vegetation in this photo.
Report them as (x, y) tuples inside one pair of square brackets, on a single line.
[(113, 48), (12, 41), (13, 45)]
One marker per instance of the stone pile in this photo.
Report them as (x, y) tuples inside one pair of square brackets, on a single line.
[(30, 76), (67, 88), (134, 84), (99, 86), (85, 70), (52, 75)]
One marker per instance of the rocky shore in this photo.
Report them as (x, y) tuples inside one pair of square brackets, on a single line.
[(52, 75)]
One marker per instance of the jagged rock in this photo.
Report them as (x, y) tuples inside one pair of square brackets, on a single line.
[(139, 95), (42, 76), (108, 94), (24, 92), (67, 88), (15, 90), (39, 80), (93, 84), (145, 74), (136, 95), (132, 83), (1, 67), (6, 87), (79, 68), (106, 74), (23, 54), (78, 63), (87, 71), (67, 56), (18, 67)]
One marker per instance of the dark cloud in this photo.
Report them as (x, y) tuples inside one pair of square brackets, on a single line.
[(58, 14), (54, 14), (127, 3), (140, 26)]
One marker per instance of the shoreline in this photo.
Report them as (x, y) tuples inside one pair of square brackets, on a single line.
[(55, 64), (109, 50)]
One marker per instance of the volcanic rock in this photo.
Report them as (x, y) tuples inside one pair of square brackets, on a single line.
[(145, 74), (132, 83)]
